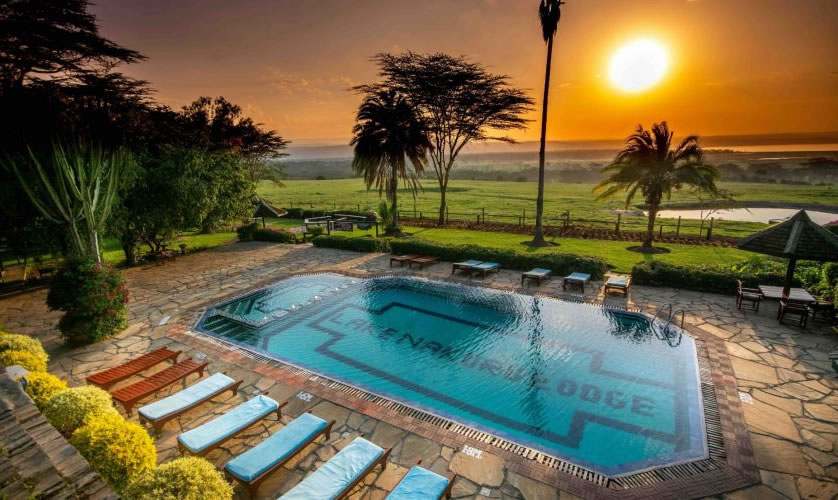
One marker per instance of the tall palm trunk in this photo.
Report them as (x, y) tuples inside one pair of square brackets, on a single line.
[(394, 189), (650, 228), (538, 239)]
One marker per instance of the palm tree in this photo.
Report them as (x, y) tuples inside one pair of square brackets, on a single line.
[(389, 131), (647, 163), (549, 12)]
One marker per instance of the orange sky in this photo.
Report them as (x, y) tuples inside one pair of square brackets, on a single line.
[(737, 66)]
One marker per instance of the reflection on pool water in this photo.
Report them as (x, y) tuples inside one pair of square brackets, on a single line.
[(765, 215), (598, 387)]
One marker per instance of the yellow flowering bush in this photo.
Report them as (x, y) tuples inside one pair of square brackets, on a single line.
[(25, 343), (117, 449), (24, 359), (43, 386), (187, 478), (68, 410)]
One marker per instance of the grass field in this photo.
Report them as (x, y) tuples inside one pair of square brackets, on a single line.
[(511, 199), (614, 252)]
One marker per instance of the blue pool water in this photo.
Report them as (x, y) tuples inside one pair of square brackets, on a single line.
[(597, 387)]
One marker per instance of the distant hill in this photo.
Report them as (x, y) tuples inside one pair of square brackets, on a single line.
[(335, 150)]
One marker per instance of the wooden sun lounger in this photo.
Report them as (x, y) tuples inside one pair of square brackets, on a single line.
[(421, 479), (425, 260), (320, 484), (465, 265), (401, 259), (485, 267), (276, 445), (109, 377), (210, 435), (577, 280), (129, 396), (618, 284), (538, 274), (170, 408)]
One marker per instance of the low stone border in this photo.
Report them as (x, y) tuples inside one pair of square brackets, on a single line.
[(731, 464)]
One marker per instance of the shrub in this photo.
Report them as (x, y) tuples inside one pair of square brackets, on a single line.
[(707, 278), (245, 233), (43, 386), (117, 449), (188, 478), (316, 230), (24, 359), (68, 410), (25, 343), (274, 235), (93, 298), (363, 244), (559, 263)]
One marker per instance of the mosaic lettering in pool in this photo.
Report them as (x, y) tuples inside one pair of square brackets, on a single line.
[(597, 387)]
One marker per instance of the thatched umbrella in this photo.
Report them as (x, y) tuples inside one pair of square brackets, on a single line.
[(796, 238)]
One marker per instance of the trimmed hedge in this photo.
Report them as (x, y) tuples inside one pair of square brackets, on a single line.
[(24, 359), (362, 244), (41, 387), (559, 263), (708, 278), (117, 449), (68, 410), (252, 232), (17, 342), (187, 478)]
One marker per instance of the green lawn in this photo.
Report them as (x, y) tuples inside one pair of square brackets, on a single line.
[(614, 252), (513, 199)]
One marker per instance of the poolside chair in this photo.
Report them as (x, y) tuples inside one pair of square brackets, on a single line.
[(485, 267), (750, 295), (537, 274), (105, 379), (160, 412), (422, 261), (577, 280), (401, 259), (341, 473), (256, 464), (419, 483), (618, 284), (794, 308), (178, 372), (824, 308), (466, 265), (206, 437)]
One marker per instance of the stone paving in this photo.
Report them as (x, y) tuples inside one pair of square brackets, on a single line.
[(790, 405)]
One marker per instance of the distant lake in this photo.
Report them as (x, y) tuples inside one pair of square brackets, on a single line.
[(751, 214)]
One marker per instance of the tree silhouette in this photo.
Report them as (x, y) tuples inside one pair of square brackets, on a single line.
[(459, 101), (389, 131), (56, 41), (549, 13), (648, 164)]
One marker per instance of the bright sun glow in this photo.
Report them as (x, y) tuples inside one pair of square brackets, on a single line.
[(638, 65)]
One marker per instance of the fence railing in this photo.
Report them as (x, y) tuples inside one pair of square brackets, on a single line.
[(563, 220)]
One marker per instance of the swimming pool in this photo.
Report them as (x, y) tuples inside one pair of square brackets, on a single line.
[(598, 387)]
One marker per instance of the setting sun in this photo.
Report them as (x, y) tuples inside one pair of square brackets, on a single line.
[(638, 65)]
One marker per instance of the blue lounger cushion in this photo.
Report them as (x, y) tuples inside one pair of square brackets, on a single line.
[(255, 461), (218, 429), (470, 262), (419, 484), (486, 266), (333, 477), (617, 281), (189, 396), (538, 272), (578, 277)]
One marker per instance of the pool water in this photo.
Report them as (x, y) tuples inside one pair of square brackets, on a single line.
[(598, 387)]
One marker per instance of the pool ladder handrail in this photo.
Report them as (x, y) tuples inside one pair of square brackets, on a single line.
[(663, 333), (670, 339)]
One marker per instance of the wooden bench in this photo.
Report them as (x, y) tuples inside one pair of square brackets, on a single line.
[(129, 396), (105, 379), (170, 408)]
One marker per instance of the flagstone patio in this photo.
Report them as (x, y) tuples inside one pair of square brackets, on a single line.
[(789, 399)]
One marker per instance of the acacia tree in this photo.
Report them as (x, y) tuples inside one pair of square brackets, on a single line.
[(549, 13), (458, 100), (647, 163), (389, 131)]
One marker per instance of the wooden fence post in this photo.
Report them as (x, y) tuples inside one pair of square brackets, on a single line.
[(567, 219), (710, 229), (524, 217), (678, 228), (446, 214), (617, 227), (483, 214), (660, 233)]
